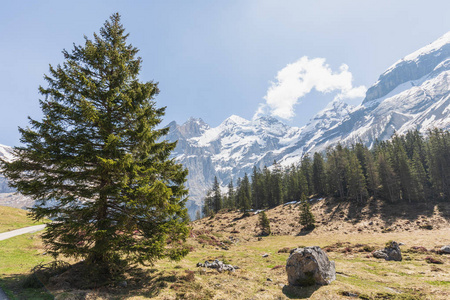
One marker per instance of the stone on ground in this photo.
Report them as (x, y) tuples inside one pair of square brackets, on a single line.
[(390, 252), (310, 266)]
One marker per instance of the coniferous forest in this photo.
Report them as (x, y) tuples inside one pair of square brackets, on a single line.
[(410, 168)]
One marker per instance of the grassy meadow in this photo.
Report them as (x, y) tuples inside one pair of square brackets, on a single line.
[(232, 239), (14, 218)]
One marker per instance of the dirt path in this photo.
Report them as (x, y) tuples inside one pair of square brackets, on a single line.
[(12, 233)]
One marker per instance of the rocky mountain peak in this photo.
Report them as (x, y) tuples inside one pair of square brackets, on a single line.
[(411, 67)]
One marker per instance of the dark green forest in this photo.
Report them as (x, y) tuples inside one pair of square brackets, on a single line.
[(410, 168)]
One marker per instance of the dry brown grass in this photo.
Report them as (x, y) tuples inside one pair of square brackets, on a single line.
[(348, 232)]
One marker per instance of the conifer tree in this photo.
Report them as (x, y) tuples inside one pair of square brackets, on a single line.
[(264, 223), (217, 197), (276, 184), (208, 204), (356, 180), (306, 169), (389, 181), (198, 214), (96, 164), (257, 188), (318, 174), (231, 196), (244, 195), (306, 216), (372, 177)]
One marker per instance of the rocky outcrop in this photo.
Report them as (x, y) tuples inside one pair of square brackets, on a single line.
[(310, 266), (390, 252), (218, 265)]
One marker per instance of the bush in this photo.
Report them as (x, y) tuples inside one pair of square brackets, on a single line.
[(368, 248), (426, 226), (432, 260)]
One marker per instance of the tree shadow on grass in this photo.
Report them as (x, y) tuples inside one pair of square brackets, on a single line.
[(13, 286), (298, 292), (305, 231), (77, 283), (389, 213)]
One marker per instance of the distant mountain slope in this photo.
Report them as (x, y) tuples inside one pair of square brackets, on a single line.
[(412, 93), (5, 153)]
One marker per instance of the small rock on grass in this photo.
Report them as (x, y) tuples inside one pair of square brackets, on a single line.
[(446, 249)]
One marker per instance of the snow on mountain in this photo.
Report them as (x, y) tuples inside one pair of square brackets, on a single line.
[(412, 94), (412, 67), (6, 152), (229, 150)]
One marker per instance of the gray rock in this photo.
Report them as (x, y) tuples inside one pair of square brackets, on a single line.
[(309, 266), (218, 265), (446, 249), (380, 254), (391, 252)]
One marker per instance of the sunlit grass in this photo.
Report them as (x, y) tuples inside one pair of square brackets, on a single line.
[(14, 218)]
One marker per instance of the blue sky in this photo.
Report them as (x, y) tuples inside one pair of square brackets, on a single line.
[(213, 59)]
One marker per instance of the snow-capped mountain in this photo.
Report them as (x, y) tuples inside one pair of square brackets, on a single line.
[(8, 197), (5, 153), (229, 150), (413, 93)]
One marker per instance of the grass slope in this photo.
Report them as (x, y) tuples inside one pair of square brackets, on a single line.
[(232, 239), (14, 218)]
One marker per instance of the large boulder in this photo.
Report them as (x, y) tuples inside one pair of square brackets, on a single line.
[(390, 252), (309, 266)]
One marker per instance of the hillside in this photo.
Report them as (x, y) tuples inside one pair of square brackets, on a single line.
[(334, 216), (347, 236), (13, 218)]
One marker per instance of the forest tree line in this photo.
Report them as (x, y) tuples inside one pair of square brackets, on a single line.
[(409, 167)]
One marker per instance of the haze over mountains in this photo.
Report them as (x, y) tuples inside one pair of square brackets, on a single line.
[(412, 93)]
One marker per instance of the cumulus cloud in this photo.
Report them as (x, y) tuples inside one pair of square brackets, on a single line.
[(298, 79)]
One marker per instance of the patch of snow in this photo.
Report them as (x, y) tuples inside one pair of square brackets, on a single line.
[(437, 44)]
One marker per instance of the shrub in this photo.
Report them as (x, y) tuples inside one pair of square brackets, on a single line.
[(426, 226), (368, 248), (432, 260)]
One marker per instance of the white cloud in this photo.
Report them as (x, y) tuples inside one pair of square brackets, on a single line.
[(298, 79)]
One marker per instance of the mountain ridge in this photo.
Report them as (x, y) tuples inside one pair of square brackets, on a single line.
[(411, 94)]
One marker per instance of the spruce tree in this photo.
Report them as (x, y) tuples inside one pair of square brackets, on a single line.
[(306, 216), (97, 165), (217, 197), (318, 175), (244, 195), (231, 196), (264, 223)]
